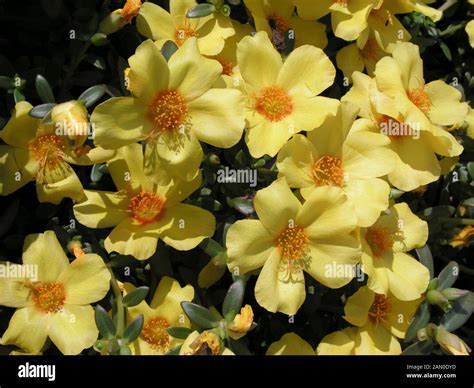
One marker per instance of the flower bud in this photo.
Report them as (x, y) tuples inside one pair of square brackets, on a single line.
[(71, 119), (451, 343), (435, 297), (454, 293), (242, 323)]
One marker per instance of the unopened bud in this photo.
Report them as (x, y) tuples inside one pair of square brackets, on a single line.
[(454, 293)]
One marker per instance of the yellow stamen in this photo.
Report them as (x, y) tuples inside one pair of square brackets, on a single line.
[(274, 103), (154, 332), (328, 171), (380, 240), (380, 309), (420, 98), (146, 208), (168, 111)]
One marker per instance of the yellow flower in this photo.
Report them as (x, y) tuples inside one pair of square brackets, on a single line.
[(290, 238), (43, 152), (53, 297), (470, 123), (282, 98), (380, 321), (163, 312), (242, 323), (470, 32), (73, 117), (211, 31), (342, 153), (144, 211), (277, 18), (207, 343), (348, 18), (413, 138), (364, 54), (290, 344), (384, 258), (174, 105), (463, 238)]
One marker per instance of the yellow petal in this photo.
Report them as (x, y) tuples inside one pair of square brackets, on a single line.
[(295, 160), (44, 251), (275, 294), (470, 32), (249, 245), (190, 225), (350, 26), (212, 34), (308, 32), (218, 117), (73, 329), (191, 73), (21, 127), (310, 111), (307, 66), (119, 121), (369, 197), (126, 168), (407, 55), (376, 340), (349, 59), (252, 51), (414, 230), (16, 169), (313, 10), (13, 292), (178, 190), (446, 106), (276, 206), (28, 329), (155, 23), (102, 209), (168, 297), (68, 187), (290, 344), (86, 280), (356, 310), (267, 138), (128, 238), (326, 213), (339, 343)]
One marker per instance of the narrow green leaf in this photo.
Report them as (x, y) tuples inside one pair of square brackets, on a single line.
[(90, 96), (136, 296), (426, 258), (96, 174), (201, 10), (234, 298), (104, 323), (133, 330), (446, 50), (168, 49), (447, 277), (174, 351), (211, 247), (179, 332), (242, 204), (18, 95), (41, 111), (44, 90), (461, 310), (420, 320), (419, 348), (199, 315)]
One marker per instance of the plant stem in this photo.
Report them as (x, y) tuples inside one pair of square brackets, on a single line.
[(119, 302)]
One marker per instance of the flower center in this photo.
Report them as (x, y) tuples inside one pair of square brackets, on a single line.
[(146, 208), (420, 98), (155, 334), (273, 103), (48, 149), (380, 308), (227, 66), (328, 171), (183, 33), (48, 297), (278, 23), (293, 242), (168, 111), (379, 239), (372, 50)]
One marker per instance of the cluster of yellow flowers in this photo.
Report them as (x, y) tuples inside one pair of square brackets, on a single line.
[(328, 213)]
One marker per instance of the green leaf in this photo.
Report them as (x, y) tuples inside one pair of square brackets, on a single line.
[(199, 315), (5, 82), (90, 96), (133, 330), (470, 168), (168, 49), (420, 320), (44, 89), (211, 247), (201, 10), (426, 258), (419, 348), (447, 277), (41, 111), (446, 50), (179, 332), (18, 95), (234, 298), (461, 310), (104, 323), (136, 296), (243, 205), (96, 174)]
